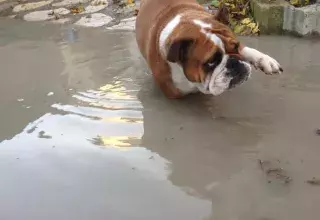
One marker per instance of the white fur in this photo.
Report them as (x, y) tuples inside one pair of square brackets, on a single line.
[(261, 60), (213, 37), (180, 80), (219, 82), (215, 83), (165, 33), (202, 24)]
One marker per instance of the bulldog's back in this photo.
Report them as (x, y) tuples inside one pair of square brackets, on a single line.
[(152, 14)]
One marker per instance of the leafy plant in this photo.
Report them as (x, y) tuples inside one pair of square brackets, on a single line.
[(240, 18)]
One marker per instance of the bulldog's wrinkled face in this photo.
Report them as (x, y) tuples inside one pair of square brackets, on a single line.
[(209, 60)]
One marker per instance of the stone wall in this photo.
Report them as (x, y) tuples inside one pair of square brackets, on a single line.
[(278, 16)]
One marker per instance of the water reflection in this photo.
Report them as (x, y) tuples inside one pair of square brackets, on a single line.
[(82, 157), (109, 120), (115, 110)]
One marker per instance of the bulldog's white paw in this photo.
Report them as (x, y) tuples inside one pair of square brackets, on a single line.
[(268, 65), (262, 61)]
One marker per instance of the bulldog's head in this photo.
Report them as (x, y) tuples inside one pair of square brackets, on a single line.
[(208, 52)]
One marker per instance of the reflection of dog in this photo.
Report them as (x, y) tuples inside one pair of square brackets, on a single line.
[(206, 141), (190, 50)]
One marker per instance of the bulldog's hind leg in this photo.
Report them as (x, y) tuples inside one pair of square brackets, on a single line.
[(261, 61)]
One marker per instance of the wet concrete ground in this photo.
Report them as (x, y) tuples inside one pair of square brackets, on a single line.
[(86, 135)]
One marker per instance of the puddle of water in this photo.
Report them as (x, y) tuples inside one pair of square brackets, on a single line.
[(82, 149)]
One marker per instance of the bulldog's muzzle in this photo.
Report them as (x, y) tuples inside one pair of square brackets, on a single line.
[(237, 70), (228, 74)]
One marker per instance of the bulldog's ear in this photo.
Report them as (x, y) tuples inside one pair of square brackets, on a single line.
[(178, 51), (223, 15)]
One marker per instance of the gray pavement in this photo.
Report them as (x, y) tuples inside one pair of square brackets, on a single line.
[(85, 134)]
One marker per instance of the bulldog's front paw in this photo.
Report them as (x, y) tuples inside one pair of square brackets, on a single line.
[(268, 65), (261, 61)]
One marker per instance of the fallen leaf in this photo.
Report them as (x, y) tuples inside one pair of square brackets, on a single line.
[(246, 21), (215, 3), (239, 28), (252, 25), (244, 11), (256, 29), (299, 3), (136, 11), (77, 10)]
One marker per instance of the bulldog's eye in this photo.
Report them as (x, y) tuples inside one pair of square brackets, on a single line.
[(213, 62)]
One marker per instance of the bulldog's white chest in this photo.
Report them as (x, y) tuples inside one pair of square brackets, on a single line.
[(180, 80)]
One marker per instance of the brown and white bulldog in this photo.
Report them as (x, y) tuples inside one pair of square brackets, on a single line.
[(190, 50)]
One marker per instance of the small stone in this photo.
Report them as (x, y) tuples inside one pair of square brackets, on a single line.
[(51, 13), (56, 17), (31, 6), (314, 181), (318, 131), (20, 100), (125, 24), (46, 14), (152, 157), (69, 3), (50, 94), (96, 20), (95, 6)]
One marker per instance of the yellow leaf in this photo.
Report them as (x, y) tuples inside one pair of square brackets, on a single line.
[(299, 3), (243, 12), (233, 22), (77, 10), (246, 21), (239, 28), (256, 29), (295, 2), (251, 25)]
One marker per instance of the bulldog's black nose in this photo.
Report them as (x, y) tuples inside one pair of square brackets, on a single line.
[(237, 71), (235, 67)]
